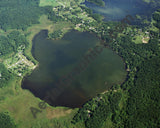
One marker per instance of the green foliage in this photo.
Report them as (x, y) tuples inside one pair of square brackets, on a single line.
[(95, 112), (57, 34), (5, 46), (52, 15), (143, 61), (144, 102), (5, 76), (86, 9), (97, 17), (156, 17), (19, 14), (133, 53), (6, 121), (12, 42)]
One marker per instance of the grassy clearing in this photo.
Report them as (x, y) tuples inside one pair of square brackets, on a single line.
[(48, 3), (54, 3), (35, 29), (64, 26), (18, 101), (45, 24), (138, 39)]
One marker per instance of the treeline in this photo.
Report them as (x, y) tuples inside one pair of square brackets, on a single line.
[(132, 53), (144, 99), (95, 112), (5, 76), (142, 84), (19, 14), (53, 16), (55, 35), (6, 121), (11, 43), (156, 17), (95, 16)]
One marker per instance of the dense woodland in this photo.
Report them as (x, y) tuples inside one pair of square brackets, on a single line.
[(142, 86), (6, 121), (95, 112), (55, 35), (16, 14), (19, 14), (11, 43), (156, 17), (144, 102), (5, 76)]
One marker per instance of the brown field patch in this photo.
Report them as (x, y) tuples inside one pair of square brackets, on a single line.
[(57, 112)]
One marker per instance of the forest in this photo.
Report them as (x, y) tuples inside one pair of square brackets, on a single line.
[(6, 121), (55, 35), (19, 14), (141, 109), (11, 43), (95, 112), (5, 76), (156, 17)]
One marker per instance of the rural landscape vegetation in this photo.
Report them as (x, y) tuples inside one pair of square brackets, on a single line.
[(133, 104)]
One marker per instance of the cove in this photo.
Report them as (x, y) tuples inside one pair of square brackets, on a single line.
[(116, 10), (59, 57)]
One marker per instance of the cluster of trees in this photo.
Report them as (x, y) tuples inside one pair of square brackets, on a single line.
[(144, 99), (5, 46), (86, 9), (142, 85), (5, 76), (11, 42), (53, 16), (143, 82), (97, 17), (156, 17), (55, 35), (132, 53), (19, 14), (6, 121), (95, 112)]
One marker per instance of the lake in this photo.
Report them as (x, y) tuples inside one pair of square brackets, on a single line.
[(58, 58), (116, 10)]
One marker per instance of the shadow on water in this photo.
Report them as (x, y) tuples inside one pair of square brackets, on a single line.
[(116, 10), (57, 58)]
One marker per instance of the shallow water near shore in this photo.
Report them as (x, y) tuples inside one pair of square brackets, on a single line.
[(57, 58), (116, 10)]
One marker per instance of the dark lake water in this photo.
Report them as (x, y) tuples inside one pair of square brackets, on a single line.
[(58, 58), (116, 10)]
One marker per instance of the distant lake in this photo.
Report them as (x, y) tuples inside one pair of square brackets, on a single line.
[(57, 58), (116, 10)]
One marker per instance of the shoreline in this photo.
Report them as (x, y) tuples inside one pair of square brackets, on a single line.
[(94, 34), (124, 79)]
